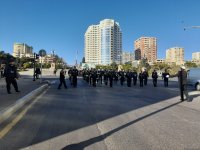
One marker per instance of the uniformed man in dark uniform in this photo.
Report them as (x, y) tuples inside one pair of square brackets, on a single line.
[(110, 77), (37, 73), (166, 76), (135, 77), (11, 74), (128, 78), (94, 77), (115, 74), (141, 78), (122, 77), (74, 76), (145, 77), (62, 79), (154, 77), (101, 74), (106, 75), (70, 76)]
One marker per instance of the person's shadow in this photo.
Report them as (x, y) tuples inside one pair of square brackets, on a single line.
[(83, 144), (194, 96)]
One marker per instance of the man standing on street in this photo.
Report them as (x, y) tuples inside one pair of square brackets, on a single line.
[(134, 77), (62, 79), (11, 74), (74, 76), (165, 76), (154, 77), (141, 78), (182, 79), (145, 77)]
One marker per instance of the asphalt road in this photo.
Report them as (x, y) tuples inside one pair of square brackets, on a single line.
[(118, 118)]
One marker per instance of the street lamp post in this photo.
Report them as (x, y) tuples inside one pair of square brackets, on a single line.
[(34, 67), (54, 62)]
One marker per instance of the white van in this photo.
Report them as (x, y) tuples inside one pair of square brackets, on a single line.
[(194, 78)]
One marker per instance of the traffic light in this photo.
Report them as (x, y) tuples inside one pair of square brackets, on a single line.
[(36, 56)]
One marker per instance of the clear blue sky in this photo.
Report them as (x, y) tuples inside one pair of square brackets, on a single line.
[(60, 24)]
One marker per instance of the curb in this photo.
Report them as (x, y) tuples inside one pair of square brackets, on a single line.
[(7, 112)]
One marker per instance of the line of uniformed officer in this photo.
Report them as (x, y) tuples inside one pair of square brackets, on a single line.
[(94, 76)]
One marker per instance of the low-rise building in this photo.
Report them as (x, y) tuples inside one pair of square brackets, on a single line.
[(48, 59), (22, 50), (196, 58)]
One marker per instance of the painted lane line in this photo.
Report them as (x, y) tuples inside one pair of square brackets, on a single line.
[(12, 124)]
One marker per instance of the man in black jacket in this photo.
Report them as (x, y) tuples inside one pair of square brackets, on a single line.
[(154, 77), (11, 74), (165, 76), (145, 76), (135, 77), (182, 79), (74, 76), (62, 79)]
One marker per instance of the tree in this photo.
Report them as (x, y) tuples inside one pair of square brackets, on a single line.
[(26, 65), (127, 66), (42, 53), (190, 64), (5, 57), (144, 64), (114, 66)]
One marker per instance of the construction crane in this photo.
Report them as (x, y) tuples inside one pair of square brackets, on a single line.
[(191, 27)]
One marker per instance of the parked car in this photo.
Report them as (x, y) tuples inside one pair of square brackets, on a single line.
[(194, 78)]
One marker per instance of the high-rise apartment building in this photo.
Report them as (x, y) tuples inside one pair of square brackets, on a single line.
[(196, 57), (103, 43), (92, 45), (175, 55), (146, 47), (22, 50)]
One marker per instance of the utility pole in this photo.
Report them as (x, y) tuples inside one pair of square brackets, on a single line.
[(76, 64), (54, 61), (36, 56)]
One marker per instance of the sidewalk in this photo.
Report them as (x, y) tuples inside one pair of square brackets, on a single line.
[(26, 85), (9, 103)]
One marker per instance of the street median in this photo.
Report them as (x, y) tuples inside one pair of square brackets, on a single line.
[(7, 112)]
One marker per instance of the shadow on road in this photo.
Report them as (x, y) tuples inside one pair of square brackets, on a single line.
[(59, 112), (82, 145)]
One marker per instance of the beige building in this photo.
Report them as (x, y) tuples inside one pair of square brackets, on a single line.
[(22, 50), (46, 59), (127, 57), (196, 57), (146, 47), (175, 55), (92, 45), (103, 43)]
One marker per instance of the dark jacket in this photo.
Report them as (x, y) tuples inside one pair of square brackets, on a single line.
[(182, 77), (10, 72), (154, 75), (165, 76), (62, 75)]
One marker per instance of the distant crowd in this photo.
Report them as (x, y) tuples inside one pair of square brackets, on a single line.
[(96, 77), (93, 77)]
